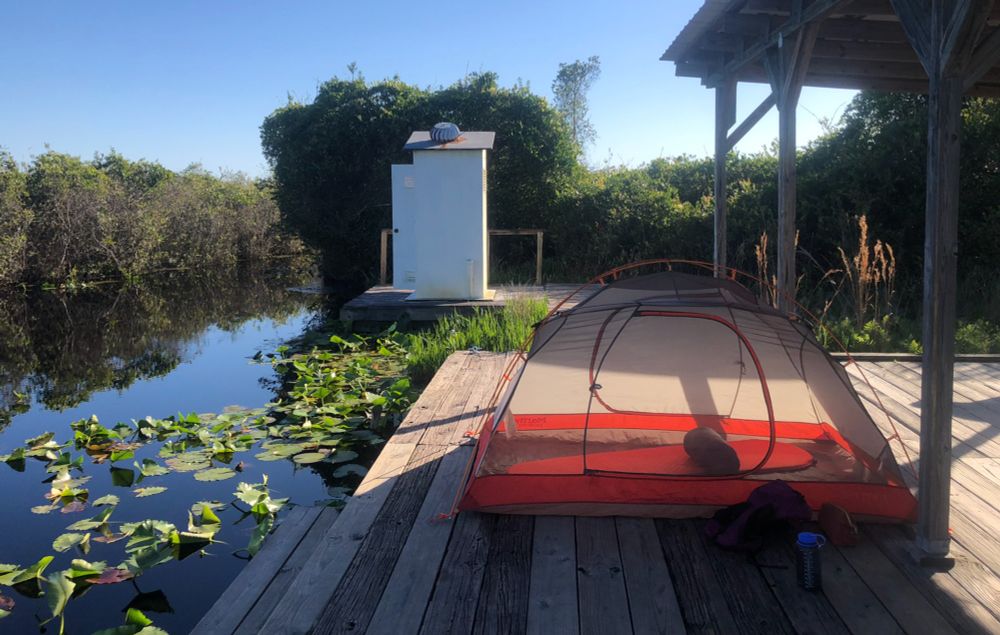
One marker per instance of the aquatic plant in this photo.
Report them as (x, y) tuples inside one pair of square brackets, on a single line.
[(333, 402), (489, 330)]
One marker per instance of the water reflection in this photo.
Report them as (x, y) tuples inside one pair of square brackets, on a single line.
[(57, 348)]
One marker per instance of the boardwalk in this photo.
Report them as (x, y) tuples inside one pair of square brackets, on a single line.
[(388, 564)]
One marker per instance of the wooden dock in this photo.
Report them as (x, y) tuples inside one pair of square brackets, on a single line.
[(388, 304), (389, 564)]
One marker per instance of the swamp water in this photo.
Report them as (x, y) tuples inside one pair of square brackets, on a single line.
[(185, 346)]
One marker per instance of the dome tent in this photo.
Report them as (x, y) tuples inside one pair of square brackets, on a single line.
[(605, 414)]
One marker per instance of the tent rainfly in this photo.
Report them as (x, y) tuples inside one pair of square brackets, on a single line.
[(672, 395)]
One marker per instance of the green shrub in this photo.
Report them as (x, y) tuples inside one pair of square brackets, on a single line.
[(977, 337), (500, 330)]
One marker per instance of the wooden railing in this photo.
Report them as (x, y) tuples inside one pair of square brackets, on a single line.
[(539, 234)]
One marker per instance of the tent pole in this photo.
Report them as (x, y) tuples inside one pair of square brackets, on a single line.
[(725, 116)]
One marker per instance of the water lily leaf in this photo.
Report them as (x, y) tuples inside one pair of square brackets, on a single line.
[(258, 535), (73, 507), (189, 461), (81, 569), (112, 575), (93, 523), (351, 468), (143, 492), (338, 493), (8, 572), (40, 440), (136, 618), (58, 589), (33, 572), (122, 476), (215, 474), (155, 601), (309, 457), (67, 541), (196, 509), (144, 559), (109, 499), (43, 509), (150, 467), (342, 456), (121, 455)]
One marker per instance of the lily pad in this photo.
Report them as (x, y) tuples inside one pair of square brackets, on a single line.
[(309, 457), (109, 499), (342, 456), (143, 492), (215, 474), (347, 470), (67, 541)]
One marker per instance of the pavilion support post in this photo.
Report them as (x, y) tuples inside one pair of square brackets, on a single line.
[(786, 66), (786, 201), (940, 247), (945, 37), (725, 117)]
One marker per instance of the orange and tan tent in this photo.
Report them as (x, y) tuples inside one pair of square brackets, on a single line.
[(674, 394)]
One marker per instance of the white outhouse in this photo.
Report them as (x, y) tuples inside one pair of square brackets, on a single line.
[(439, 240)]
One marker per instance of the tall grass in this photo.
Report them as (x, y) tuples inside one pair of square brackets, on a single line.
[(497, 330)]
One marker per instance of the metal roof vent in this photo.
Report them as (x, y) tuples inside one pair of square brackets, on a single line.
[(445, 132)]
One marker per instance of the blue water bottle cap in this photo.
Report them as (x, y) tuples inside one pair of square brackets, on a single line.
[(809, 539)]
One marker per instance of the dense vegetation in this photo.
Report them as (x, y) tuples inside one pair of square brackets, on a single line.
[(331, 158), (65, 221)]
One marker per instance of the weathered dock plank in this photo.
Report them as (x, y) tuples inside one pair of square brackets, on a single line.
[(600, 580), (553, 604), (238, 600), (390, 563)]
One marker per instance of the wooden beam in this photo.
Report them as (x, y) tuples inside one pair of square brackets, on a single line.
[(984, 58), (815, 11), (915, 18), (747, 124), (858, 30), (864, 51), (725, 115), (964, 25)]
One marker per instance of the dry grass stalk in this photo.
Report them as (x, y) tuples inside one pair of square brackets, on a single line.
[(870, 275)]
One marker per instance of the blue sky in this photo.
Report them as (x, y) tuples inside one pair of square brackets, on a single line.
[(182, 82)]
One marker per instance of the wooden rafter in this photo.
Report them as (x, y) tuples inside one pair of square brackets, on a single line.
[(815, 11)]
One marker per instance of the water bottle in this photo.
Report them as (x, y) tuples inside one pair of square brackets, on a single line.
[(807, 560)]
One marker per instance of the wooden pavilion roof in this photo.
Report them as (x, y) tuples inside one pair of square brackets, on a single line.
[(860, 44)]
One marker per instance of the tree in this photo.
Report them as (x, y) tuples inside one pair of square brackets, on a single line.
[(14, 220), (331, 159), (570, 88)]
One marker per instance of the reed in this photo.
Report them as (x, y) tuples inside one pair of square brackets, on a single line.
[(498, 330)]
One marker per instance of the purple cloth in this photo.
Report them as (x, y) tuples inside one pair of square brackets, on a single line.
[(744, 526)]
